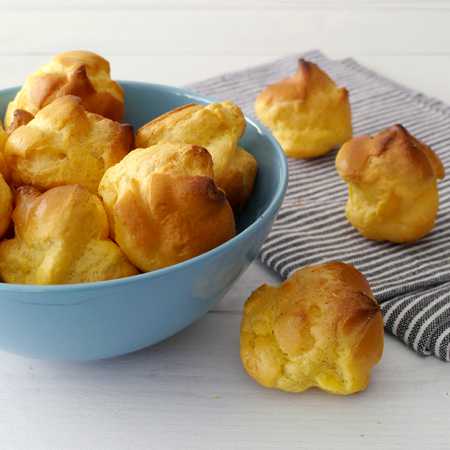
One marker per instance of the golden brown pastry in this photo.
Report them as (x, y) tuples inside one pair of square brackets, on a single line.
[(80, 73), (3, 137), (320, 328), (392, 182), (65, 144), (307, 113), (163, 205), (6, 199), (216, 127), (6, 205), (62, 236), (19, 118)]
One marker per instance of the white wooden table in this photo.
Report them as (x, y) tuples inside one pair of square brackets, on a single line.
[(190, 392)]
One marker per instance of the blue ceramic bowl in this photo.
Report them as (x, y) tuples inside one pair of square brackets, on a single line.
[(104, 319)]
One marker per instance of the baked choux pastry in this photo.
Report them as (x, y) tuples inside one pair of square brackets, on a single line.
[(6, 205), (307, 113), (392, 184), (65, 144), (6, 199), (61, 236), (218, 128), (164, 206), (3, 137), (80, 73), (19, 118), (320, 328)]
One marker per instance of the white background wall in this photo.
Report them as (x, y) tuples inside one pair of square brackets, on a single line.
[(178, 41)]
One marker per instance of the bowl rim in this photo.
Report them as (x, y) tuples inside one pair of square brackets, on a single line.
[(234, 241)]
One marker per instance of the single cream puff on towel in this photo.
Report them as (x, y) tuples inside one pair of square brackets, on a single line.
[(65, 144), (218, 128), (392, 183), (6, 199), (80, 73), (164, 206), (320, 328), (61, 236), (307, 113)]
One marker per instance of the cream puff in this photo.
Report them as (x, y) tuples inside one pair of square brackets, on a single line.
[(65, 144), (320, 328), (307, 113), (164, 206), (61, 236), (80, 73), (392, 185), (218, 128)]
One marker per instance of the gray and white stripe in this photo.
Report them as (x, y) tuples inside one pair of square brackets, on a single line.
[(411, 282)]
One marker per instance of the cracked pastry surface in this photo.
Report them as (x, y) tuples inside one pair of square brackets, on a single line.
[(3, 137), (61, 236), (216, 127), (80, 73), (164, 206), (307, 113), (65, 144), (320, 328), (392, 184)]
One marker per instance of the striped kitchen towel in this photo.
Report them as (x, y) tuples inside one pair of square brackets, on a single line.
[(411, 282)]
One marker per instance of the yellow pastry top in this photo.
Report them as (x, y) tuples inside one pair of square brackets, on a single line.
[(61, 236), (80, 73), (164, 206), (65, 144), (392, 180), (320, 328), (216, 127), (307, 113)]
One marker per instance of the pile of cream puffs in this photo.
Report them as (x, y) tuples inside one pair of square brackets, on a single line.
[(82, 198)]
